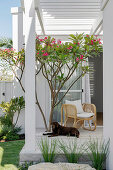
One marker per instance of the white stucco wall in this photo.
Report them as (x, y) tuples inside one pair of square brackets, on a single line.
[(108, 79), (44, 99)]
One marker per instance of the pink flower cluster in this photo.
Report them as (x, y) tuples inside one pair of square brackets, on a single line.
[(81, 58), (45, 54), (59, 41), (92, 41), (69, 48)]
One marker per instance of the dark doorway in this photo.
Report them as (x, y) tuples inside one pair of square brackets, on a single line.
[(96, 86)]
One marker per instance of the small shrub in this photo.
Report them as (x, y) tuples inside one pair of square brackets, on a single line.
[(6, 120), (48, 149), (9, 132), (10, 108), (25, 166), (98, 152), (71, 150)]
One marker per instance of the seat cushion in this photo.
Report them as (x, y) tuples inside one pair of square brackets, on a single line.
[(77, 103), (85, 115)]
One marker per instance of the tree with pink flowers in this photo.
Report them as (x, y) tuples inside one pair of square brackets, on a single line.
[(52, 57)]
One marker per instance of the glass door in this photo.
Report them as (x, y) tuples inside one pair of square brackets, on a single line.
[(75, 93)]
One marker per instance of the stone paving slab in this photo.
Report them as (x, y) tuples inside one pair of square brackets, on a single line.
[(60, 166)]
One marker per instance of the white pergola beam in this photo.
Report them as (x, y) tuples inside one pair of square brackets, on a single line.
[(64, 12), (99, 30), (68, 6), (83, 10), (103, 4), (70, 1), (70, 17), (97, 24), (39, 14)]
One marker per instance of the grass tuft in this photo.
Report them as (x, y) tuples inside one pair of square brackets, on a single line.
[(72, 150), (48, 149), (98, 152)]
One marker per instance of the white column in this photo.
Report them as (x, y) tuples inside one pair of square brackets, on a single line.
[(30, 127), (17, 28), (108, 79)]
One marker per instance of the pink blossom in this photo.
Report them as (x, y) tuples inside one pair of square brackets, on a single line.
[(41, 40), (45, 38), (43, 51), (37, 37), (81, 57), (38, 53), (87, 35), (77, 59), (59, 41), (70, 47), (100, 42), (74, 43), (91, 42), (99, 39), (95, 40), (78, 43), (53, 42), (45, 54)]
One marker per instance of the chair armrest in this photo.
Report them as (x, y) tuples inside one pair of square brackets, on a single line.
[(89, 107)]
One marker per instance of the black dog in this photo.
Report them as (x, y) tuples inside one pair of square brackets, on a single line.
[(58, 130)]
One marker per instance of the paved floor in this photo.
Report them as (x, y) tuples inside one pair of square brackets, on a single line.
[(85, 135)]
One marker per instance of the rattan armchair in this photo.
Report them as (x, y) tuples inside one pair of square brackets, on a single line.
[(89, 113)]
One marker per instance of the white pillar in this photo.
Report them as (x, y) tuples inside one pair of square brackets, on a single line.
[(30, 127), (108, 79), (17, 27)]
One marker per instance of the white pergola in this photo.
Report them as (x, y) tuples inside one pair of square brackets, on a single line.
[(59, 18)]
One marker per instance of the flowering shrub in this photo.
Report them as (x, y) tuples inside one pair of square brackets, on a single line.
[(12, 57), (52, 57)]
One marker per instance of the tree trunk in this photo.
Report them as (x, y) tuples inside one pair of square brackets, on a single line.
[(51, 117), (43, 116)]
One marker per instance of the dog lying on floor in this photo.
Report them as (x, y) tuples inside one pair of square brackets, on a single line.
[(58, 130)]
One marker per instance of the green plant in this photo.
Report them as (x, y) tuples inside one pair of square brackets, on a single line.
[(10, 108), (6, 42), (71, 150), (48, 149), (25, 166), (9, 132), (98, 152), (8, 129)]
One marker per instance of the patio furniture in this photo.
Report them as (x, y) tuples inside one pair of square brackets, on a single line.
[(88, 113)]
